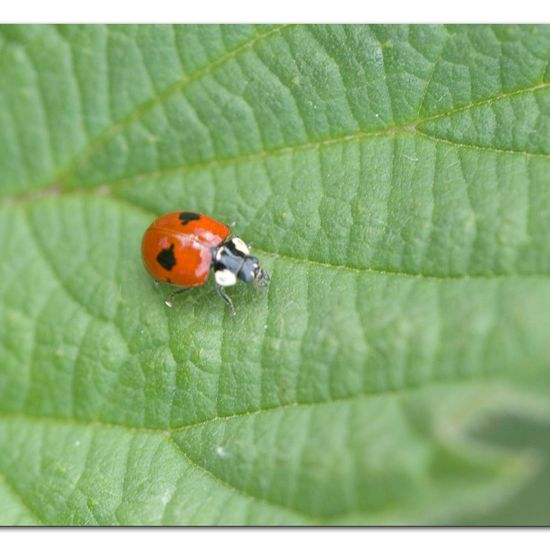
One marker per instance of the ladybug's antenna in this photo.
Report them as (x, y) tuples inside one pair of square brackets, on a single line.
[(261, 278)]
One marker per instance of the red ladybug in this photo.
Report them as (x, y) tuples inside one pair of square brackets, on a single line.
[(180, 248)]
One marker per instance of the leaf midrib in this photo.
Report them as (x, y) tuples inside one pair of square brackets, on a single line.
[(58, 184), (65, 173), (410, 128), (407, 128), (168, 435), (169, 431), (103, 189)]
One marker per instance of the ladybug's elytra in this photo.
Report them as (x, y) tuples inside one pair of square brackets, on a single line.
[(181, 248)]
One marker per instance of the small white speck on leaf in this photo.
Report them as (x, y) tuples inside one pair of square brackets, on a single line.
[(221, 451), (165, 499)]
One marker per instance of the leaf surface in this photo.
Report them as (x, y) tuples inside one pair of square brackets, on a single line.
[(395, 182)]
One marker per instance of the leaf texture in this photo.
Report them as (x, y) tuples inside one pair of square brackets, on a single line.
[(394, 181)]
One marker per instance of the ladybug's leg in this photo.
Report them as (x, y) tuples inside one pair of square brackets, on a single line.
[(227, 299), (170, 298)]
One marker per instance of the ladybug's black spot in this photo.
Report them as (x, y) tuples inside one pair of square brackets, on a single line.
[(187, 217), (166, 257)]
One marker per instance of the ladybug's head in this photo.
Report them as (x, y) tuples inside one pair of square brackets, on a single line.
[(251, 272), (260, 276), (233, 261)]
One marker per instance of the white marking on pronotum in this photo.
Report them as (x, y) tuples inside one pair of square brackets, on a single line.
[(240, 246), (224, 277)]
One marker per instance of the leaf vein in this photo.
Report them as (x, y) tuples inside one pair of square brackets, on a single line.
[(19, 497), (142, 108)]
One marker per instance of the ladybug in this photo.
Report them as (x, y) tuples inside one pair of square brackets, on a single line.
[(181, 248)]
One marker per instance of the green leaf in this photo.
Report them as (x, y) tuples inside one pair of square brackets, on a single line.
[(395, 183)]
